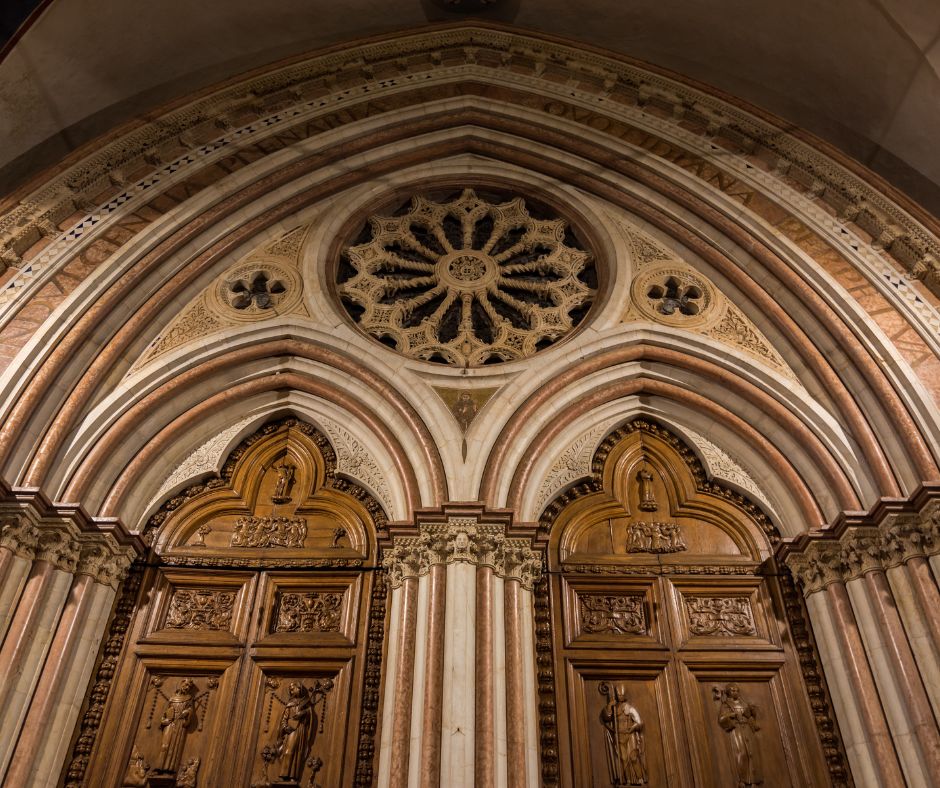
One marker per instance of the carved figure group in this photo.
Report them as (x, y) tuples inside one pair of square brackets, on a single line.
[(739, 719), (655, 538), (269, 532), (626, 745)]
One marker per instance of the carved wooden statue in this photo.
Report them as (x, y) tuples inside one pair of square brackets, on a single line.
[(626, 747), (644, 480), (178, 719), (285, 478), (297, 730), (739, 719)]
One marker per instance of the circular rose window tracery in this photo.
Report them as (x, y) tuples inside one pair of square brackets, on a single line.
[(467, 279)]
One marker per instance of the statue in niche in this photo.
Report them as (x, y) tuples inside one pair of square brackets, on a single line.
[(296, 730), (285, 480), (644, 480), (739, 719), (626, 746), (179, 717)]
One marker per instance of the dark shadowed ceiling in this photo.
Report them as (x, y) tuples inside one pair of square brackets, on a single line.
[(862, 74)]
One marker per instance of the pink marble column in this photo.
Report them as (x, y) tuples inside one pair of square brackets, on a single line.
[(404, 685), (18, 543), (485, 713), (515, 686), (430, 767), (877, 735), (56, 703), (31, 631)]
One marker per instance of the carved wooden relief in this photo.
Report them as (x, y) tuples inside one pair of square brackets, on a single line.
[(671, 662), (253, 655)]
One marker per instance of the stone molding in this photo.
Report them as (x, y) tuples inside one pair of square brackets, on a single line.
[(463, 540), (19, 536), (191, 134), (824, 558)]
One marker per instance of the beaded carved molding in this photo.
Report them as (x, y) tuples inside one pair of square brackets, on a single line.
[(467, 279)]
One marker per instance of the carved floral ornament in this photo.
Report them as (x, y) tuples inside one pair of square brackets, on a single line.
[(862, 549), (63, 546), (467, 279), (463, 539)]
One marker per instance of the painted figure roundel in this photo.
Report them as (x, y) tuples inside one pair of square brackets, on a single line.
[(467, 278)]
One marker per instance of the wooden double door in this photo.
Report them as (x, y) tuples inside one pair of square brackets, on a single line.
[(680, 680), (238, 678)]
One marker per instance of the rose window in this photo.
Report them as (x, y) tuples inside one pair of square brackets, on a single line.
[(470, 279)]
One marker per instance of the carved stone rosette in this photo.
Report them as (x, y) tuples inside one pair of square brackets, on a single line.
[(462, 540)]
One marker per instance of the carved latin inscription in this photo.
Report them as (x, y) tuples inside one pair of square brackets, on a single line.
[(200, 609), (310, 612), (618, 615), (269, 532), (720, 616), (655, 538)]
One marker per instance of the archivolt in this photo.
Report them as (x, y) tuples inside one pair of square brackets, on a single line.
[(488, 113)]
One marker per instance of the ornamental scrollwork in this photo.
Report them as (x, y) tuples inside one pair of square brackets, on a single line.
[(468, 280), (200, 609), (308, 612), (616, 615), (720, 616)]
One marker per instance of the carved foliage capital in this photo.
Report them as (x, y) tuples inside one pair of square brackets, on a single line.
[(59, 547), (462, 540), (19, 536), (909, 536)]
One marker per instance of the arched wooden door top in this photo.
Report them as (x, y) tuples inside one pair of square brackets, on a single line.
[(649, 496), (278, 490)]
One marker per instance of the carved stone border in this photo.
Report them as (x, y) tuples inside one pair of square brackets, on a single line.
[(797, 617)]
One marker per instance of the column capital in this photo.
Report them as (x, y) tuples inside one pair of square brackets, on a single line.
[(59, 546), (462, 540), (19, 535), (102, 559), (850, 550)]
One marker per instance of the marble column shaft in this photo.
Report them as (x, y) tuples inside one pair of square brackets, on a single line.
[(880, 626), (56, 624), (470, 681)]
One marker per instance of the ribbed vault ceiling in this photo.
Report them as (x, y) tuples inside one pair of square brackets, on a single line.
[(863, 74)]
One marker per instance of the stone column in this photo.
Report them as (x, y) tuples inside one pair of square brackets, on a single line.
[(44, 739), (18, 542), (468, 719), (873, 602), (32, 628)]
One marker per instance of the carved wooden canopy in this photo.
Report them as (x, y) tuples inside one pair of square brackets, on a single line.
[(649, 502), (277, 501)]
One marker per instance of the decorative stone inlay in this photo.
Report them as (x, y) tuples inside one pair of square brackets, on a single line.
[(205, 609), (667, 290), (720, 616), (722, 466), (462, 540), (824, 559), (256, 290), (468, 280), (269, 532), (19, 536), (356, 461), (619, 615), (308, 612), (573, 464)]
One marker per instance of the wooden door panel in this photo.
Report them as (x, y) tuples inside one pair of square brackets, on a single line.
[(173, 710), (263, 744), (189, 607), (308, 611), (650, 690), (601, 614)]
